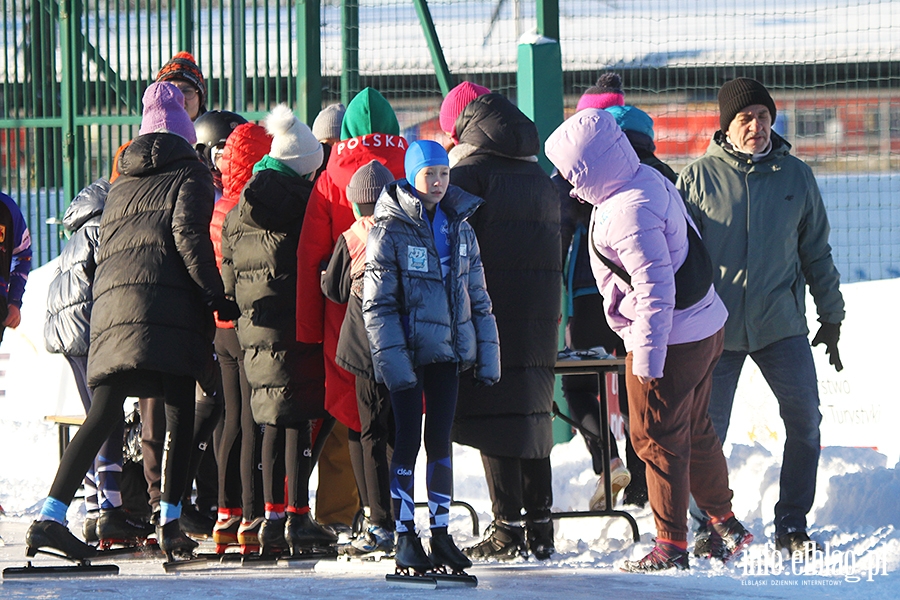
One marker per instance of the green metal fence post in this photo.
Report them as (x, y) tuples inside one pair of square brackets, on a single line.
[(72, 96), (540, 90), (185, 12), (349, 50), (309, 59), (441, 70)]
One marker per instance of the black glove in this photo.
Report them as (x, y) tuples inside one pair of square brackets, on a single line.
[(226, 308), (829, 334)]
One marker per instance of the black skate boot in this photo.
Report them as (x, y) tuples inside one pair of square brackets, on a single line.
[(196, 524), (116, 526), (304, 535), (50, 534), (540, 538), (174, 542), (445, 553), (502, 541), (410, 555), (89, 527), (271, 537)]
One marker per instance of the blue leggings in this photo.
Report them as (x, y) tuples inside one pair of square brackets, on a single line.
[(440, 383)]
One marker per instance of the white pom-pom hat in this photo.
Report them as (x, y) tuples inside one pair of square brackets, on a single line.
[(292, 141)]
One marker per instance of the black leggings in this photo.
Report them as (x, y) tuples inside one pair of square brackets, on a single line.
[(240, 449), (287, 451), (371, 450), (519, 483), (106, 413)]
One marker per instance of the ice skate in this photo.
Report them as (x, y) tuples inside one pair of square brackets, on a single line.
[(115, 527), (179, 548), (196, 524), (449, 561), (54, 539), (412, 564), (271, 537), (304, 536), (375, 542), (248, 536), (225, 533), (89, 527)]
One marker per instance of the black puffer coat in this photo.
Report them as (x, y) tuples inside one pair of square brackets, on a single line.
[(156, 273), (518, 231), (67, 328), (259, 266)]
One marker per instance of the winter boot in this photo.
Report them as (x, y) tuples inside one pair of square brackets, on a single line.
[(173, 540), (248, 535), (703, 541), (271, 536), (303, 533), (728, 539), (540, 538), (50, 534), (445, 553), (195, 523), (663, 556), (225, 533), (796, 541), (619, 478), (116, 526), (502, 541), (374, 539), (410, 554), (89, 527)]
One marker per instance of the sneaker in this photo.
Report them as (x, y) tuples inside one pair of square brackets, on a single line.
[(248, 535), (173, 541), (728, 539), (410, 554), (302, 532), (117, 526), (89, 527), (797, 541), (540, 538), (271, 536), (502, 541), (374, 539), (195, 523), (225, 533), (663, 556), (50, 534), (703, 541), (620, 477), (445, 553)]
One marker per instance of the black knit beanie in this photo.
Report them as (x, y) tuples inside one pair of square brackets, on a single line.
[(737, 95)]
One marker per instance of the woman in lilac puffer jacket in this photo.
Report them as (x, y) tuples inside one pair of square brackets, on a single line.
[(639, 222)]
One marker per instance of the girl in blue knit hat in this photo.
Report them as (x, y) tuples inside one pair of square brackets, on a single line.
[(428, 318)]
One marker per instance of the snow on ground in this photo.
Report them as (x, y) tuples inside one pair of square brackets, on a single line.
[(856, 514)]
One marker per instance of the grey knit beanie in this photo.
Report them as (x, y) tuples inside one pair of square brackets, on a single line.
[(328, 122), (366, 184)]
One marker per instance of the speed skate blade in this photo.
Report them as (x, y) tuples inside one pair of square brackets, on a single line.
[(32, 572), (419, 582), (186, 564), (448, 580)]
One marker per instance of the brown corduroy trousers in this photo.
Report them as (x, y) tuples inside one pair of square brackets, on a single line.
[(672, 433)]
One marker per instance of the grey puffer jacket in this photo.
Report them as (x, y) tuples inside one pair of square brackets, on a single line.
[(67, 328), (156, 272), (412, 318)]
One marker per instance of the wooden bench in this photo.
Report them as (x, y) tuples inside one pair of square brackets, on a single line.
[(64, 424)]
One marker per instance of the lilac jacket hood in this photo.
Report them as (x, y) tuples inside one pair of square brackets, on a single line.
[(640, 223)]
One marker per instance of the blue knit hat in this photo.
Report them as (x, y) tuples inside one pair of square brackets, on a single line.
[(631, 118), (421, 154)]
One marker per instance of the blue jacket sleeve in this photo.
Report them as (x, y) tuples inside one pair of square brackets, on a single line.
[(21, 257)]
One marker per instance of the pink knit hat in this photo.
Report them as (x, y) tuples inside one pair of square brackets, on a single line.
[(456, 101), (607, 92), (164, 112)]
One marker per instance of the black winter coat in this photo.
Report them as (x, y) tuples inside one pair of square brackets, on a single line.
[(67, 328), (259, 266), (156, 273), (518, 231)]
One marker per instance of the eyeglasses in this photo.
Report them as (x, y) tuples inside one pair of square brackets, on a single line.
[(188, 91)]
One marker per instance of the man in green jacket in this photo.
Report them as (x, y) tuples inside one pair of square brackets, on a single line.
[(762, 218)]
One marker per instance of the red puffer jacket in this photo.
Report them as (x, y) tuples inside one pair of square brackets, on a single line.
[(245, 147), (328, 215)]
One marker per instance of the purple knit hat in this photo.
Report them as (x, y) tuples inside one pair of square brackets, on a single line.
[(607, 92), (456, 101), (164, 112)]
